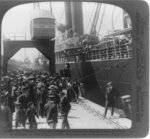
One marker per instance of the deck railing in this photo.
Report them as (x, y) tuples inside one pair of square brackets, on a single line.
[(113, 52)]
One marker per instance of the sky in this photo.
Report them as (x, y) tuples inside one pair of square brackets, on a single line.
[(17, 20)]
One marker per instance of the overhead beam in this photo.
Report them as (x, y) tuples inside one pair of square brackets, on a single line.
[(46, 47)]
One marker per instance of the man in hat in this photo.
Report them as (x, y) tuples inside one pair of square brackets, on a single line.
[(40, 96), (23, 99), (13, 90), (8, 99), (51, 111), (64, 108), (32, 90), (54, 89), (111, 96), (75, 86), (71, 96), (30, 115), (67, 72), (82, 89)]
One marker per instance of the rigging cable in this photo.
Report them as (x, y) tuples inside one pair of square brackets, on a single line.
[(101, 19), (112, 22), (91, 19), (86, 18), (94, 19)]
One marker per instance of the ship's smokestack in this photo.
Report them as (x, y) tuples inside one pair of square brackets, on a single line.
[(68, 15), (77, 17)]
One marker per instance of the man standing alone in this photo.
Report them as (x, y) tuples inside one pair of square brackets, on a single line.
[(64, 108), (111, 96)]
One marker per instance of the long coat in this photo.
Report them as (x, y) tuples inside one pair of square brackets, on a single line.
[(64, 105), (30, 115), (51, 112), (111, 96), (6, 117)]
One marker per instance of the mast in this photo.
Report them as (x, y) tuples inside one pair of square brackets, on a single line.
[(50, 6)]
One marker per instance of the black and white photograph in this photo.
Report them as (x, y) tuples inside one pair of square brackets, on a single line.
[(74, 65)]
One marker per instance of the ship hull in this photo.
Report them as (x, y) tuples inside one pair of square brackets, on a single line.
[(95, 75)]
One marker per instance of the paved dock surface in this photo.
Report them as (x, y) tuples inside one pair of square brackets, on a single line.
[(85, 114)]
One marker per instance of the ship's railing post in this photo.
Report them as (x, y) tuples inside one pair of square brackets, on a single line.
[(107, 53), (120, 50), (115, 55), (127, 50), (130, 50)]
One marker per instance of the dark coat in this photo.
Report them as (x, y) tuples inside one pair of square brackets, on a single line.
[(9, 102), (20, 116), (64, 105), (111, 96), (6, 117), (75, 86), (32, 92), (51, 112), (67, 72), (30, 115), (24, 99)]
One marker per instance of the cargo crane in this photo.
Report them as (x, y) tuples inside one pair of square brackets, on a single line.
[(42, 25)]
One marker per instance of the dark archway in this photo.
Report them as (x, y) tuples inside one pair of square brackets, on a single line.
[(46, 47), (28, 59)]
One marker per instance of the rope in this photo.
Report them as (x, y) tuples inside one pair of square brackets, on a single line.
[(87, 25), (91, 19), (94, 19), (101, 19)]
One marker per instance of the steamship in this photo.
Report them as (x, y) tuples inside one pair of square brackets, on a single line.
[(109, 59), (92, 61)]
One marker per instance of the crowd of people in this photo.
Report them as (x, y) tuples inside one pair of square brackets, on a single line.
[(92, 46), (32, 94), (28, 95)]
